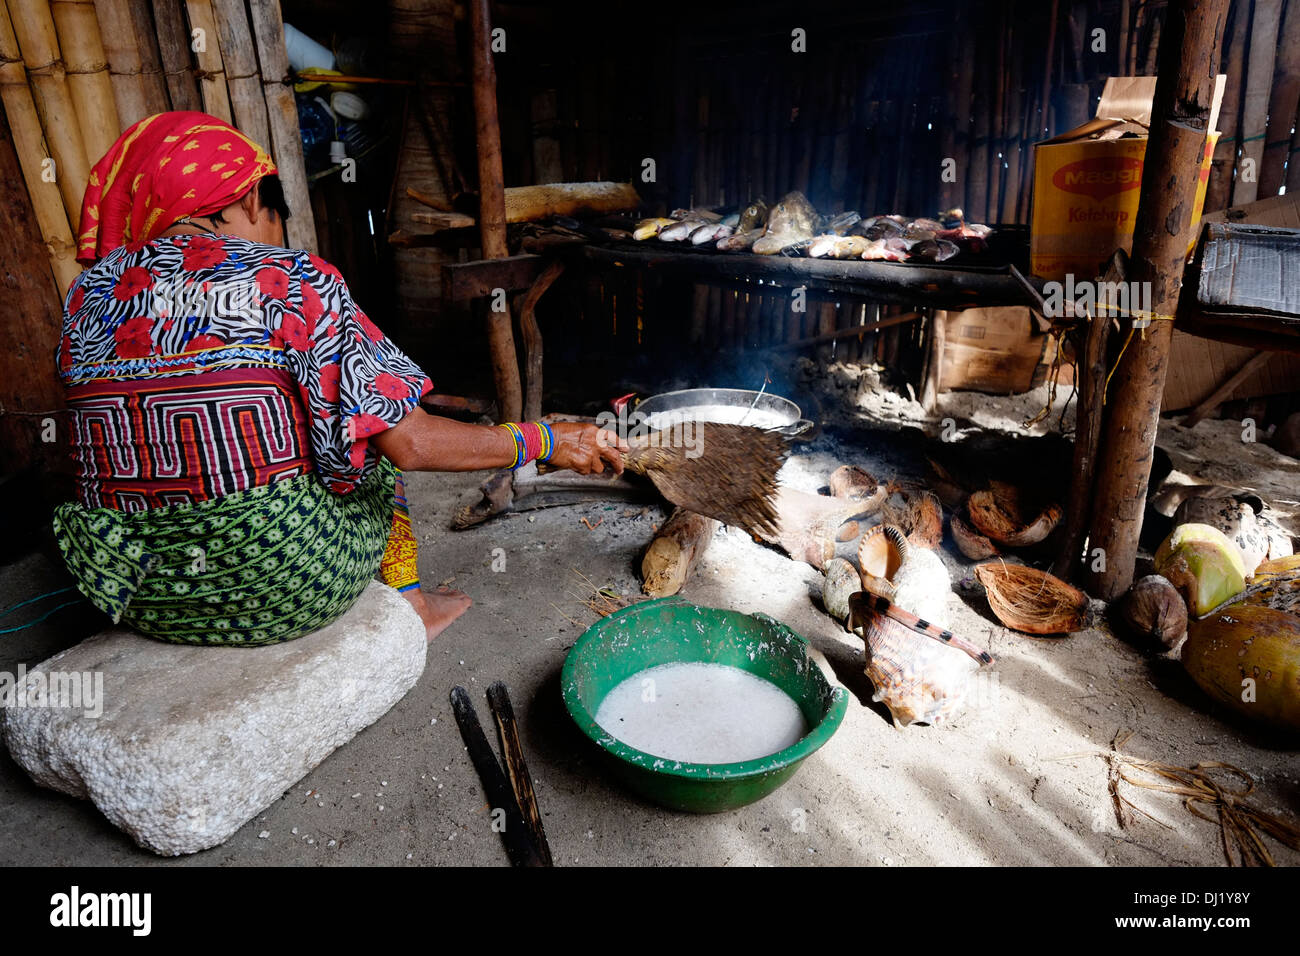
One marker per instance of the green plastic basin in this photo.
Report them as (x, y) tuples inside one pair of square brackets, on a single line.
[(672, 631)]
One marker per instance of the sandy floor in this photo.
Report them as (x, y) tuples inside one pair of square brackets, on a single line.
[(1015, 780)]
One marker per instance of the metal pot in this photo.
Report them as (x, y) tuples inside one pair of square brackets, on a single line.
[(737, 406)]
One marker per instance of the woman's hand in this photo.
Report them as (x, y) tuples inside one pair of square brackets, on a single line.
[(586, 448)]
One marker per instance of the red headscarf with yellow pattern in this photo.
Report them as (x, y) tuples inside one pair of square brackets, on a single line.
[(165, 167)]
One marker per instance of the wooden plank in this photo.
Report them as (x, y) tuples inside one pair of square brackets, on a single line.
[(282, 115), (1283, 104), (244, 82), (174, 50), (122, 45), (1255, 106), (1221, 394), (30, 390), (889, 282), (1224, 163), (212, 71), (462, 281), (151, 68), (516, 834), (521, 781)]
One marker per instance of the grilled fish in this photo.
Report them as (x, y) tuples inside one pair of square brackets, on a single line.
[(792, 220), (680, 230), (754, 216), (740, 241), (878, 227), (933, 250), (703, 215), (649, 228), (710, 232)]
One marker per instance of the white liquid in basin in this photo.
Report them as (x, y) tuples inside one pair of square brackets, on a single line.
[(701, 713), (725, 414)]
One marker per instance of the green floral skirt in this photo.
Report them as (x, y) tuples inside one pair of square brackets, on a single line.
[(254, 567)]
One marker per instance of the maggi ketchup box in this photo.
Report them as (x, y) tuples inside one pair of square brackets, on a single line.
[(1087, 181)]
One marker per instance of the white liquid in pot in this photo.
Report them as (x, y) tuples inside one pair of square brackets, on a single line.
[(701, 713), (725, 414)]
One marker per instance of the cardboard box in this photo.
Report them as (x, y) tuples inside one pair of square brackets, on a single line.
[(997, 350), (1087, 181)]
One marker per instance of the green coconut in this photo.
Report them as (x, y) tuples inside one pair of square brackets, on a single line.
[(1203, 564)]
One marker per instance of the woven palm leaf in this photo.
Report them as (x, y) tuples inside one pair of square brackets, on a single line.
[(727, 472)]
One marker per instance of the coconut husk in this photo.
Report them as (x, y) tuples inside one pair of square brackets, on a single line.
[(999, 515), (969, 541), (856, 484), (1276, 584), (1026, 599), (918, 513)]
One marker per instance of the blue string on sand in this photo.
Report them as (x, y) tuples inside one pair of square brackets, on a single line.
[(39, 597)]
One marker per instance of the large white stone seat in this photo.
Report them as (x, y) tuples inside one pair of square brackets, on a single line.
[(193, 742)]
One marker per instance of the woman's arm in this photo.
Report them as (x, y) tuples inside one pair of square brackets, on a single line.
[(424, 442)]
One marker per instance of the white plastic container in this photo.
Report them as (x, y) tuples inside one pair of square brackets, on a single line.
[(349, 106), (304, 52)]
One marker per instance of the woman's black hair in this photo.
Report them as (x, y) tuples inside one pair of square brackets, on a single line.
[(271, 193)]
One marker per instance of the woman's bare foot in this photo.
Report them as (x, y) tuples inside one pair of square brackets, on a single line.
[(438, 609)]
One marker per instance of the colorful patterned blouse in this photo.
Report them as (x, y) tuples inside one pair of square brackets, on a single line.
[(200, 365)]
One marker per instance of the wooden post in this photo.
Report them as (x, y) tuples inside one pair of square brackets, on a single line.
[(121, 44), (1091, 371), (33, 26), (88, 80), (1189, 61), (151, 75), (243, 82), (1282, 104), (282, 115), (174, 49), (532, 336), (212, 70), (492, 208), (936, 333), (1255, 105), (25, 128)]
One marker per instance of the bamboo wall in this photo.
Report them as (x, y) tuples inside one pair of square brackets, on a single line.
[(863, 119), (75, 73)]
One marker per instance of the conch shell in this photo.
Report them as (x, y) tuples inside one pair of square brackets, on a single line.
[(918, 677)]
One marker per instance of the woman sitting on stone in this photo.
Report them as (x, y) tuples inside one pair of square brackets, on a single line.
[(237, 421)]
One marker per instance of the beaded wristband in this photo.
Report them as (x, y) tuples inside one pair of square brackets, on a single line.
[(534, 441)]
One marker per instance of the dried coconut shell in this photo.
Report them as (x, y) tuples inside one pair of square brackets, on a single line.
[(1154, 609), (998, 517), (989, 518), (1035, 602), (857, 484), (969, 541), (918, 513)]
